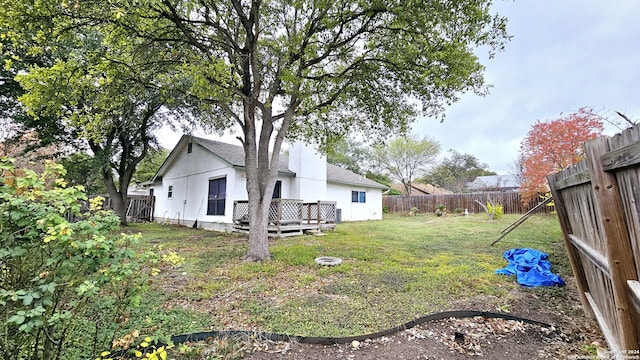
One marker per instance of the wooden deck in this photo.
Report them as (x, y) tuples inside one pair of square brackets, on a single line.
[(287, 230), (289, 217)]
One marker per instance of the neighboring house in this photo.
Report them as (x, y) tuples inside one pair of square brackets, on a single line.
[(138, 189), (201, 179), (502, 183), (421, 189)]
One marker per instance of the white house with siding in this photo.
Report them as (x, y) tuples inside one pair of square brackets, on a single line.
[(201, 179)]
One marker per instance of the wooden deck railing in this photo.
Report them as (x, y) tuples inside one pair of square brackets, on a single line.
[(321, 212), (289, 212)]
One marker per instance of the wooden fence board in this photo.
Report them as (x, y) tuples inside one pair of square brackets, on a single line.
[(139, 207), (628, 181), (581, 212), (582, 276), (573, 180), (604, 327), (594, 256), (622, 157), (621, 262), (510, 202), (634, 288), (599, 213)]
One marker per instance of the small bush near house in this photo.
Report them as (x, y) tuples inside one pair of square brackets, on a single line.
[(56, 276)]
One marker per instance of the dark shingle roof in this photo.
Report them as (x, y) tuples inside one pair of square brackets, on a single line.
[(421, 189), (234, 155), (339, 175)]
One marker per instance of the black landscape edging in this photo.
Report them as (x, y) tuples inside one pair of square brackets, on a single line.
[(460, 314), (201, 336)]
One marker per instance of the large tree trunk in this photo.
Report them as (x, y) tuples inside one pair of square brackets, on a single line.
[(258, 230), (117, 194), (119, 206), (262, 172), (118, 198), (257, 178), (261, 165)]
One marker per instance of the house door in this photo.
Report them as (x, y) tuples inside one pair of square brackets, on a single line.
[(217, 196)]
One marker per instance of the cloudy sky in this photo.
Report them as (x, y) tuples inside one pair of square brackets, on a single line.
[(563, 55)]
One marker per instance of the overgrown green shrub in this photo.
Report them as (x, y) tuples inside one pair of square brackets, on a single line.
[(57, 276), (495, 211)]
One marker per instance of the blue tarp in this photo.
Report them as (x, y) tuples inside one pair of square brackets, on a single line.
[(530, 267)]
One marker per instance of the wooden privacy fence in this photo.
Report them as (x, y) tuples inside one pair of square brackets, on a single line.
[(510, 202), (598, 203), (139, 207)]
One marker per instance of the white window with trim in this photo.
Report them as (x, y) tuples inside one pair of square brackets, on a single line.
[(358, 197)]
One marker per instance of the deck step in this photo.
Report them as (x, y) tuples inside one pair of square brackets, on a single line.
[(315, 232)]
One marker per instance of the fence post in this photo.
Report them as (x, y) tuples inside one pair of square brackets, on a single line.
[(565, 225), (619, 251)]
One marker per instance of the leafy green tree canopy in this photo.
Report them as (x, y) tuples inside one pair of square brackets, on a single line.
[(96, 100), (17, 55), (456, 171), (349, 154), (83, 169), (102, 90), (307, 69), (406, 158), (149, 165)]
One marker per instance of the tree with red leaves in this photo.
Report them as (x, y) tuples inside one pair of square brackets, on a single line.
[(555, 145)]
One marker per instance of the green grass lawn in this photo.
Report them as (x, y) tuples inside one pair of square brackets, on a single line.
[(393, 271)]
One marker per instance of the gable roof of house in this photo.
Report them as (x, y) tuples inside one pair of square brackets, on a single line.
[(234, 156), (494, 182), (422, 189), (336, 174), (229, 153)]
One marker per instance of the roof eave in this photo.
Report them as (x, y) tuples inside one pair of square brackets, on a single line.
[(381, 187), (280, 172)]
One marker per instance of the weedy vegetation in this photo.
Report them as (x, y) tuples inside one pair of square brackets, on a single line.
[(75, 289), (393, 271)]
